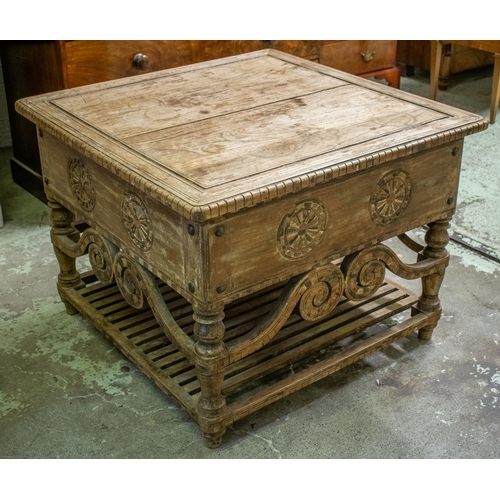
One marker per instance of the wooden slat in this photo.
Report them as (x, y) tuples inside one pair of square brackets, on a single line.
[(288, 349), (152, 351), (166, 384), (295, 353), (295, 325), (324, 368)]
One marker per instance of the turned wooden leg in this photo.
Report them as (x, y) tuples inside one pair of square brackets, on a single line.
[(436, 238), (69, 277), (210, 355), (436, 53), (495, 93), (445, 69)]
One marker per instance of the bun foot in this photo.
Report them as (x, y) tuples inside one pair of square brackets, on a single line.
[(213, 440)]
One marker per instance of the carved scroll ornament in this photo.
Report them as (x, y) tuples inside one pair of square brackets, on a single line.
[(137, 286), (100, 250), (364, 271), (324, 289), (128, 280), (314, 294)]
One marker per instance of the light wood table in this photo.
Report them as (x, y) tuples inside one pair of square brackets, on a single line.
[(234, 216), (492, 46)]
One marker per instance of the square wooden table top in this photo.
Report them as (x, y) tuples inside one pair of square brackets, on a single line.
[(216, 137)]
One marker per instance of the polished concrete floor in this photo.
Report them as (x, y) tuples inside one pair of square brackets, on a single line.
[(66, 392)]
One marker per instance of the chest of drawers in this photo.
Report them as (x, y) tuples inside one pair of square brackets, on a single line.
[(365, 58)]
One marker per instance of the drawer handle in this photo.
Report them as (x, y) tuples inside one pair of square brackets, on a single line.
[(367, 56), (140, 61), (271, 43)]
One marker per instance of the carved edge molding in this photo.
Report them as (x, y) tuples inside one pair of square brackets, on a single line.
[(325, 172)]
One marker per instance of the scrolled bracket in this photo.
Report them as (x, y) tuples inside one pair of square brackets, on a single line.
[(314, 295), (364, 271), (100, 250), (138, 286)]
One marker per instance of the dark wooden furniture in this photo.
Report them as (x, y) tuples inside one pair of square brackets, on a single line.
[(486, 46), (236, 212), (36, 67), (366, 58)]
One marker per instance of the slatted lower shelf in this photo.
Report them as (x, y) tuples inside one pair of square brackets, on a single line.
[(298, 349)]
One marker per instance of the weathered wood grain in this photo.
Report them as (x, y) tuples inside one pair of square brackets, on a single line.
[(281, 138), (234, 213)]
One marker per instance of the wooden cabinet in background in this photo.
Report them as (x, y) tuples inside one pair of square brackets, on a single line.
[(365, 58), (36, 67), (93, 61)]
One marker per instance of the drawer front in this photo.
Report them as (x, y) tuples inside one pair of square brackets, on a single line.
[(93, 61), (358, 56)]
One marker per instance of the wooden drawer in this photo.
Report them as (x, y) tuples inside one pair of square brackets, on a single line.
[(93, 61), (359, 56)]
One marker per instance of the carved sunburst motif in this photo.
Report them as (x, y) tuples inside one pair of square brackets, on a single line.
[(81, 183), (137, 222), (302, 229), (390, 197)]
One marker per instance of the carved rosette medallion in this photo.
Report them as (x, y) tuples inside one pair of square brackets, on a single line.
[(301, 230), (390, 197), (135, 218), (81, 183)]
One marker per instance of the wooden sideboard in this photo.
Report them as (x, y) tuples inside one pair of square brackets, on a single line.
[(365, 58), (36, 67)]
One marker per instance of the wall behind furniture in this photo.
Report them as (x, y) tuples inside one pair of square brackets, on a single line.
[(5, 138)]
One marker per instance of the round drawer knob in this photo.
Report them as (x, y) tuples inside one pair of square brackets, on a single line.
[(140, 61)]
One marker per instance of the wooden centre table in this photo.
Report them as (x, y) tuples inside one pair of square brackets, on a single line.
[(235, 214)]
